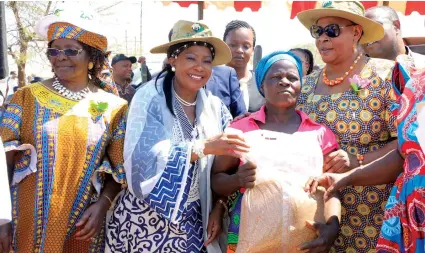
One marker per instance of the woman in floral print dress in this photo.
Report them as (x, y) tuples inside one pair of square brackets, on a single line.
[(352, 96)]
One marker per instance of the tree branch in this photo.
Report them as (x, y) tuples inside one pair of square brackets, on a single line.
[(46, 12), (11, 53), (12, 30), (21, 30), (99, 10)]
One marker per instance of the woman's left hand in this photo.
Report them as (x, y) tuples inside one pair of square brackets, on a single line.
[(92, 220), (327, 234), (332, 182), (244, 115), (215, 223), (339, 161)]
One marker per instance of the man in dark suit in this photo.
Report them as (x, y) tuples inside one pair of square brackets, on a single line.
[(224, 83)]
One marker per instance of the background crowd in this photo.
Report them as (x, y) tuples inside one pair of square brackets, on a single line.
[(208, 155)]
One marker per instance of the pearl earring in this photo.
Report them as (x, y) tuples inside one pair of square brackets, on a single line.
[(173, 69)]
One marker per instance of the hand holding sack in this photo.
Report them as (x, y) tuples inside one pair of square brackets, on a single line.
[(275, 210)]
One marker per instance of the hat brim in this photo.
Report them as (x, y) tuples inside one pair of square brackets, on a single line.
[(42, 26), (372, 31), (222, 51), (132, 59), (412, 41)]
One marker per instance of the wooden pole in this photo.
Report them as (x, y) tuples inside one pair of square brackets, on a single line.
[(141, 30), (4, 70), (258, 54), (126, 43), (201, 10)]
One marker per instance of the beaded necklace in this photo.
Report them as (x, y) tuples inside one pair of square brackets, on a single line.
[(339, 80)]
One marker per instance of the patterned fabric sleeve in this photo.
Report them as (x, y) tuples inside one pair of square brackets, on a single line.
[(113, 161), (10, 132), (12, 120), (391, 98), (169, 195)]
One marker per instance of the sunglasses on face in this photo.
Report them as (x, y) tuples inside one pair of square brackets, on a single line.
[(332, 30), (68, 52)]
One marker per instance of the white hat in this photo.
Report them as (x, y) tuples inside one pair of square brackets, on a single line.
[(83, 20)]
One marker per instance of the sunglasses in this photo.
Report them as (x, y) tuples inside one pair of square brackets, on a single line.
[(332, 30), (68, 52)]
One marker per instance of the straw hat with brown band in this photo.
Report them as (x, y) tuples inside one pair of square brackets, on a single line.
[(351, 10), (187, 31)]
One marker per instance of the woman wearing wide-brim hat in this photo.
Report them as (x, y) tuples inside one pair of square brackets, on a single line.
[(174, 129), (352, 95)]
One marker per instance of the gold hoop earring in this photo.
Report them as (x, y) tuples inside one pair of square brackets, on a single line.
[(91, 65)]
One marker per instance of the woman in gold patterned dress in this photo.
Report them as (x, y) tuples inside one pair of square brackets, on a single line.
[(64, 139), (352, 96)]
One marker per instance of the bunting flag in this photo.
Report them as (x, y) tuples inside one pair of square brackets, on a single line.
[(221, 5), (405, 7)]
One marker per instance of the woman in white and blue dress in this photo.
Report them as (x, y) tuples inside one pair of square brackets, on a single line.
[(174, 129)]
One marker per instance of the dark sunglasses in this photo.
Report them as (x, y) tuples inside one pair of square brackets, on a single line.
[(68, 52), (332, 30)]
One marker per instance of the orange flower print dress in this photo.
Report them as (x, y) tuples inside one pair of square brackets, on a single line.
[(362, 122)]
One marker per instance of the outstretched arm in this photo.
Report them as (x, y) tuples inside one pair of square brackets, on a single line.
[(222, 181)]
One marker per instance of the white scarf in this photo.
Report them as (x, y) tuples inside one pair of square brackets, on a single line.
[(151, 147)]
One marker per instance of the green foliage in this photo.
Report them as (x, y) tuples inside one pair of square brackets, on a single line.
[(22, 41)]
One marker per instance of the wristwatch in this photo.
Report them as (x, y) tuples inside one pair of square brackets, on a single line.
[(198, 148)]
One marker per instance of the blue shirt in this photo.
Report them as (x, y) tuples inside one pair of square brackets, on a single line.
[(224, 83)]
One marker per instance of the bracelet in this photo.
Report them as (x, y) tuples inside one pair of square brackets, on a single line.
[(198, 148), (360, 159), (108, 198), (221, 202)]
